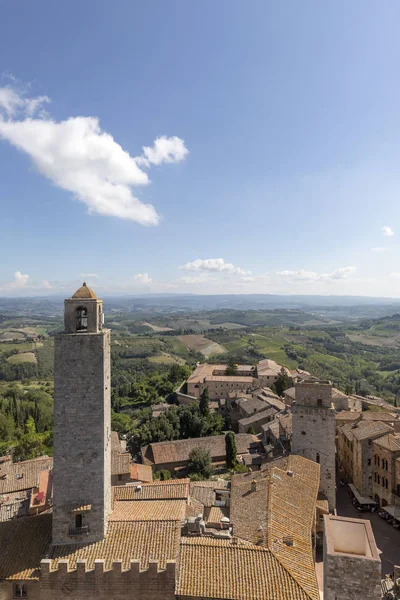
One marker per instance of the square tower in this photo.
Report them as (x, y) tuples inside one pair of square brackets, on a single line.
[(82, 423), (314, 431)]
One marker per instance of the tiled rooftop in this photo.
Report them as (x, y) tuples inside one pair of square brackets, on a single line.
[(120, 463), (365, 429), (148, 510), (259, 416), (24, 542), (204, 491), (211, 568), (389, 442), (281, 507), (142, 473), (178, 451), (158, 490), (22, 475), (126, 541)]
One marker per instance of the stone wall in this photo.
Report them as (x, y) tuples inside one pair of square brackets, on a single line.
[(314, 432), (100, 584), (347, 577), (82, 434)]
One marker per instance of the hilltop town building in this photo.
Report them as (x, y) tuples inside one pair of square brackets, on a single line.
[(220, 385), (82, 405), (352, 567), (313, 431)]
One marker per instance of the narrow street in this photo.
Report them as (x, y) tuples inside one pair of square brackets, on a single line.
[(387, 538)]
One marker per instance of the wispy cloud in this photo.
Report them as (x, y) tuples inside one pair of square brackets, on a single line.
[(89, 275), (388, 231), (304, 275), (214, 265), (379, 249), (78, 156), (142, 278)]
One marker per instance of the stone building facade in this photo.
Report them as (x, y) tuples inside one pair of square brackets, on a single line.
[(355, 452), (386, 469), (313, 435), (82, 409), (352, 567)]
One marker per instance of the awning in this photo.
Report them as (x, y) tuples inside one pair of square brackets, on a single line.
[(392, 510), (360, 499)]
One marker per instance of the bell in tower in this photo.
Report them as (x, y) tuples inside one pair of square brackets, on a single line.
[(83, 312)]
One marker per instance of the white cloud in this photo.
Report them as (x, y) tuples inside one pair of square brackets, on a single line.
[(77, 156), (14, 103), (142, 278), (388, 231), (19, 280), (89, 275), (303, 275), (164, 150), (379, 249), (213, 264)]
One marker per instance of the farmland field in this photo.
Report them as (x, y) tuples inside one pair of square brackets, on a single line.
[(23, 357), (201, 344)]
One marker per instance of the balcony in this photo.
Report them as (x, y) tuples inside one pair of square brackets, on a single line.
[(79, 530)]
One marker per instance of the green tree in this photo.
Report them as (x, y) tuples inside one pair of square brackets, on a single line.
[(204, 403), (231, 368), (251, 430), (283, 382), (199, 464), (31, 443), (230, 447)]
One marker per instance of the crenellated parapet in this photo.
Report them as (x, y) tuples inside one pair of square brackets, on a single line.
[(82, 580)]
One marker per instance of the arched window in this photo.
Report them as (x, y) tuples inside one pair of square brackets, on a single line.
[(78, 521), (379, 462), (379, 478), (81, 318), (386, 484)]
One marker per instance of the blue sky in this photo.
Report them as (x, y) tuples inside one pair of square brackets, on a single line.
[(204, 147)]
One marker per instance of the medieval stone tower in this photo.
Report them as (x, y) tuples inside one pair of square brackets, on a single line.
[(314, 431), (82, 423)]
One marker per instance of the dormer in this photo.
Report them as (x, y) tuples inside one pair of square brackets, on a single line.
[(83, 312)]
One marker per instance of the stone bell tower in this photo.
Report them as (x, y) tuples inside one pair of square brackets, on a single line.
[(314, 431), (82, 423)]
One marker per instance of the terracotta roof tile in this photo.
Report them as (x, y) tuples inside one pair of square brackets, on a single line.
[(85, 293), (126, 541), (22, 475), (365, 430), (142, 473), (158, 490), (24, 542), (210, 568), (178, 451), (389, 442), (149, 510)]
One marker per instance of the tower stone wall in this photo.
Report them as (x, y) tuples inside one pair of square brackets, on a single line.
[(314, 431), (82, 427)]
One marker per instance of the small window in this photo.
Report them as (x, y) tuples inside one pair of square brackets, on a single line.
[(81, 318), (386, 484), (369, 461), (317, 457), (78, 521), (369, 442), (319, 402), (303, 433), (119, 477), (20, 591)]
